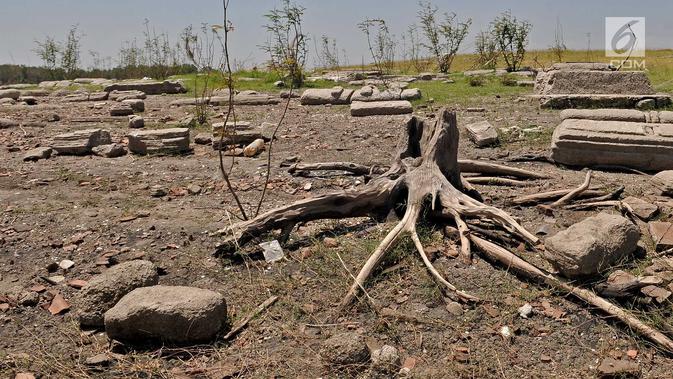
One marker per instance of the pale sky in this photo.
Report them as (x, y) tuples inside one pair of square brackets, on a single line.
[(107, 23)]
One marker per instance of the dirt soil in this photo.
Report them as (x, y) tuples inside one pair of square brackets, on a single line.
[(84, 208)]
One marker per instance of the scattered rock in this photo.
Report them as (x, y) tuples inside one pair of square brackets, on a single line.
[(203, 139), (58, 305), (159, 141), (454, 308), (345, 349), (136, 104), (158, 191), (66, 264), (526, 310), (113, 150), (386, 360), (121, 109), (168, 313), (194, 189), (77, 283), (662, 180), (37, 154), (80, 142), (136, 122), (29, 299), (56, 279), (98, 360), (7, 123), (105, 290), (330, 242), (24, 375), (10, 94), (591, 245), (657, 293), (411, 94), (662, 234), (641, 208), (612, 368), (255, 147), (482, 133), (7, 101)]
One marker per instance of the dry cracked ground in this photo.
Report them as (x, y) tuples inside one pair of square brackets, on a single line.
[(99, 211)]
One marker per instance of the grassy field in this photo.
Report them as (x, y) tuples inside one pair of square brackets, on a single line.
[(659, 66)]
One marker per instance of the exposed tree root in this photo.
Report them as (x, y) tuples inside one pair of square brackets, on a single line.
[(574, 193), (424, 180), (511, 261)]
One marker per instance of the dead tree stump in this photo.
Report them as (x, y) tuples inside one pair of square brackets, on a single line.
[(424, 178)]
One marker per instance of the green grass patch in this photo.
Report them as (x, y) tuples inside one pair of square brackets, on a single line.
[(461, 92), (253, 80)]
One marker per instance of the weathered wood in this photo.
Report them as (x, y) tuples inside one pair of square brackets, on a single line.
[(574, 193), (551, 195), (511, 261)]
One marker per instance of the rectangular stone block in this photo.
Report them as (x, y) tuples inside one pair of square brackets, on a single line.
[(80, 142), (638, 145), (372, 108), (592, 82), (159, 141)]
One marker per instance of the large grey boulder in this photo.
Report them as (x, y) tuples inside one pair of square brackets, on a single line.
[(104, 291), (149, 87), (159, 141), (663, 181), (592, 245), (80, 142), (322, 96), (643, 146), (371, 108), (10, 94), (168, 313), (482, 133)]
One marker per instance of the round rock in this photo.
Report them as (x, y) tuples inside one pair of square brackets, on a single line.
[(386, 360), (345, 349), (105, 290), (168, 313)]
